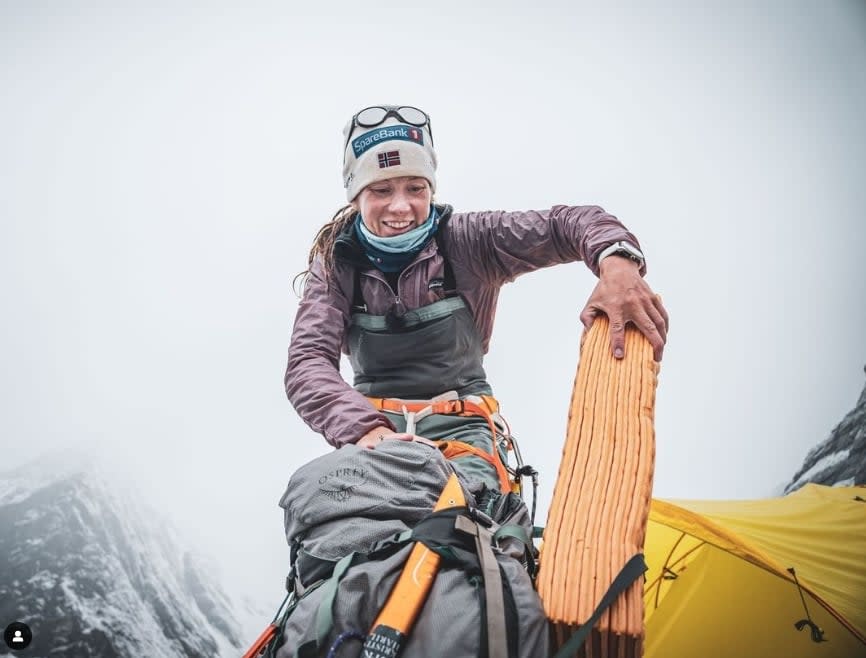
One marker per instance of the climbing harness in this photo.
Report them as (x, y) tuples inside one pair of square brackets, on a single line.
[(483, 406)]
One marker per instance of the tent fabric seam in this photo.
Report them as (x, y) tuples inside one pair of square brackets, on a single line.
[(751, 554)]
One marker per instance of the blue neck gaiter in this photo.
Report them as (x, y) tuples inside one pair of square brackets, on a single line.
[(394, 253)]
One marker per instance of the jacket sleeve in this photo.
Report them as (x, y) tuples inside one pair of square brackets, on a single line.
[(313, 381), (501, 245)]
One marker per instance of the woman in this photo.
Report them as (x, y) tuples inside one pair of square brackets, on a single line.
[(408, 289)]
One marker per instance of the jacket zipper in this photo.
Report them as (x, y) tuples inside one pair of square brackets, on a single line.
[(378, 276)]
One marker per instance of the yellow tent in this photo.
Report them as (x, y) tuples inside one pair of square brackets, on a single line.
[(719, 583)]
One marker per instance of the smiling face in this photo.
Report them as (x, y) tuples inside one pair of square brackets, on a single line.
[(394, 206)]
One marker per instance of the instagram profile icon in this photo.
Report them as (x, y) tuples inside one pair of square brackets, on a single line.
[(17, 636)]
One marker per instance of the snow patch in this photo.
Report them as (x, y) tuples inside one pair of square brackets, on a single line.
[(820, 465), (131, 578)]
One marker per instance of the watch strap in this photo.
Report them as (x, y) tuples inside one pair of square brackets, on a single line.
[(622, 248)]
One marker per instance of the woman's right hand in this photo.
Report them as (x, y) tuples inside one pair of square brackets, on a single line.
[(382, 433)]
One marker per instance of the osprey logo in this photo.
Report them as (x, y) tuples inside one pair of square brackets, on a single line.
[(339, 484)]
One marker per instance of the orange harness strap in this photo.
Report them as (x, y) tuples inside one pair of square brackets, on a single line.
[(452, 448)]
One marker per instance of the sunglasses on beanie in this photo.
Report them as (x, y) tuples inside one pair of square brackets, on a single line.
[(373, 116)]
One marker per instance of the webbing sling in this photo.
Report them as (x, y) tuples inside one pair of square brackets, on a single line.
[(632, 570)]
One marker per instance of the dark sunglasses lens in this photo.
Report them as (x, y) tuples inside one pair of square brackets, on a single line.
[(371, 116), (413, 116)]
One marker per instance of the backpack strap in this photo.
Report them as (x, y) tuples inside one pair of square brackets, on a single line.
[(519, 533), (358, 304), (632, 570), (450, 283), (437, 533), (330, 585), (325, 613), (497, 634)]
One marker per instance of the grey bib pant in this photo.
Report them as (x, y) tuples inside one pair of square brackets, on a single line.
[(418, 356)]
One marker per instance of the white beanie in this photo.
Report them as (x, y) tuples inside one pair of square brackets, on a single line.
[(390, 150)]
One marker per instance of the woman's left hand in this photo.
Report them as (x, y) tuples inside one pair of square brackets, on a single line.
[(623, 296)]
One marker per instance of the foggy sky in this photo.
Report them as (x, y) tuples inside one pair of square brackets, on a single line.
[(163, 171)]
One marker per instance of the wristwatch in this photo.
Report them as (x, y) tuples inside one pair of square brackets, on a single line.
[(622, 248)]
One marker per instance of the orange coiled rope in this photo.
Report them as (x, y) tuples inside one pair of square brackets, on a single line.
[(600, 507)]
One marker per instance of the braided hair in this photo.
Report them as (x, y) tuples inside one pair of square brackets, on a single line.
[(323, 245)]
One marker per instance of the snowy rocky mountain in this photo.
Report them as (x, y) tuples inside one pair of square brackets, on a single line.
[(841, 459), (93, 572)]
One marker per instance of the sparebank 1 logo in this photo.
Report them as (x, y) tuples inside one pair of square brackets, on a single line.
[(384, 134)]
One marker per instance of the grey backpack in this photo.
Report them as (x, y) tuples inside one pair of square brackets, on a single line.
[(352, 518)]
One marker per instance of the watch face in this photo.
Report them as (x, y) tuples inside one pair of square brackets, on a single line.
[(627, 254), (630, 252), (625, 250)]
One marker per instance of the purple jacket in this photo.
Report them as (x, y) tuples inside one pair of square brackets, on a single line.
[(485, 250)]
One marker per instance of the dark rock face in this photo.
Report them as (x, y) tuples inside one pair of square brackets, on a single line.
[(841, 459), (96, 574)]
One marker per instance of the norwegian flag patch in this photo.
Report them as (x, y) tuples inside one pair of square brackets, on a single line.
[(389, 159)]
